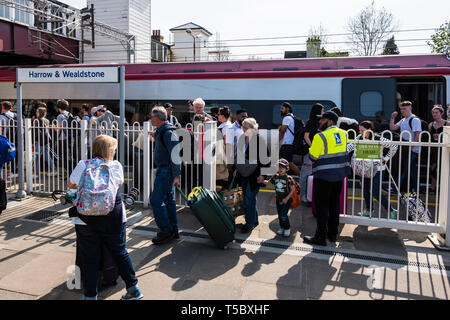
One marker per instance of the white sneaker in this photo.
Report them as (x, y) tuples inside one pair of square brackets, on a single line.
[(287, 233), (280, 232)]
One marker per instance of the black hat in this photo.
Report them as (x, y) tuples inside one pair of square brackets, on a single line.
[(168, 105), (329, 115)]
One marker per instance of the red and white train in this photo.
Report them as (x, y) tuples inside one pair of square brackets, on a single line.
[(360, 86)]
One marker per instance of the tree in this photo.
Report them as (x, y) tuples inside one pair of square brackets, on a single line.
[(441, 39), (390, 47), (370, 28)]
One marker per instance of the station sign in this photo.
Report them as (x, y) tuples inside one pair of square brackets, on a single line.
[(68, 75)]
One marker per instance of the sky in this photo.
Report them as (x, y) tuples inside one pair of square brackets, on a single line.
[(250, 19)]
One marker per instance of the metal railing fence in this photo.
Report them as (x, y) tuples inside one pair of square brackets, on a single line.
[(51, 153)]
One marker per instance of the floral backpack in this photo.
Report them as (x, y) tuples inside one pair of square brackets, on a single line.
[(96, 194)]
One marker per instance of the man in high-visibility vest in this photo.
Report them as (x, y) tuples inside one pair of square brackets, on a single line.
[(331, 164)]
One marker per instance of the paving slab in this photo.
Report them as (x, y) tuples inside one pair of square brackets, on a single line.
[(40, 275), (274, 269), (219, 267), (254, 290), (11, 295), (204, 290)]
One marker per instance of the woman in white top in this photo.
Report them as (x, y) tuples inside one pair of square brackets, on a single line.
[(222, 174), (366, 130), (108, 229)]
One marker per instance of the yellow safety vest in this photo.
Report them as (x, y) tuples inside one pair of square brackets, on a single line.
[(329, 154)]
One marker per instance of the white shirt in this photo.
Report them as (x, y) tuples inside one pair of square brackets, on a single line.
[(224, 127), (288, 137), (117, 176), (404, 126), (233, 134)]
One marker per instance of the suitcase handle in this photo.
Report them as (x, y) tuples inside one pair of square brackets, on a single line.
[(182, 194)]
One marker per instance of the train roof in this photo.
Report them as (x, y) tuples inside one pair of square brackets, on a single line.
[(377, 65)]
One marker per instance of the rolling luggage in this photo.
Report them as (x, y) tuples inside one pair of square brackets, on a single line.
[(108, 271), (211, 211)]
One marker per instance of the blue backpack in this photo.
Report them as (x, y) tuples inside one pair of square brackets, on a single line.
[(7, 150)]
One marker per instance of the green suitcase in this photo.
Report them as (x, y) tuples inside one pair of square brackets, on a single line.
[(210, 210)]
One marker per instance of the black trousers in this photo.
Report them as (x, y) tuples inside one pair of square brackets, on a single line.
[(326, 198)]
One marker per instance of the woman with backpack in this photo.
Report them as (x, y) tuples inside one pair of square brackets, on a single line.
[(371, 171), (250, 174), (103, 217)]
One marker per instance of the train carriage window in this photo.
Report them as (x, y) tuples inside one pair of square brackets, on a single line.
[(370, 103), (234, 107), (301, 110)]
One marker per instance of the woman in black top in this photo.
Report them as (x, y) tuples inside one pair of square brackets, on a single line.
[(436, 128), (250, 179), (311, 129)]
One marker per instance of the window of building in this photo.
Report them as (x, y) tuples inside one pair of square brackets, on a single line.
[(371, 102), (20, 15), (4, 11), (301, 110)]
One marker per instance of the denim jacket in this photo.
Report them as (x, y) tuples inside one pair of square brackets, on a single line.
[(162, 153)]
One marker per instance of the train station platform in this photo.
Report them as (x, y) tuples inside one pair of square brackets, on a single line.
[(37, 248)]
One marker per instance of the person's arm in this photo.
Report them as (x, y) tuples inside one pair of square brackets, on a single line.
[(261, 180), (71, 185), (282, 131), (392, 125), (306, 137), (392, 149)]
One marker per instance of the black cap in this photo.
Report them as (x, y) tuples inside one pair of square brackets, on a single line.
[(329, 115), (168, 105)]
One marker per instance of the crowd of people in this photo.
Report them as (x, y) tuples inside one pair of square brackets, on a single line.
[(321, 148)]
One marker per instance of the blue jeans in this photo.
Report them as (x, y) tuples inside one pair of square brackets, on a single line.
[(412, 172), (368, 198), (89, 240), (283, 210), (44, 153), (250, 197), (163, 202)]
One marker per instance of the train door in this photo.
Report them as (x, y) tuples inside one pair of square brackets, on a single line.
[(363, 97), (423, 92)]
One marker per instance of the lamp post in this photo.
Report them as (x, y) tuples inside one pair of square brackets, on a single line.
[(189, 31)]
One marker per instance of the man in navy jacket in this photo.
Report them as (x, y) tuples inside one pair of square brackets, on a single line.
[(168, 163)]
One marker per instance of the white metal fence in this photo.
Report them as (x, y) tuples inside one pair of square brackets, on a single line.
[(49, 160), (406, 202), (52, 152)]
